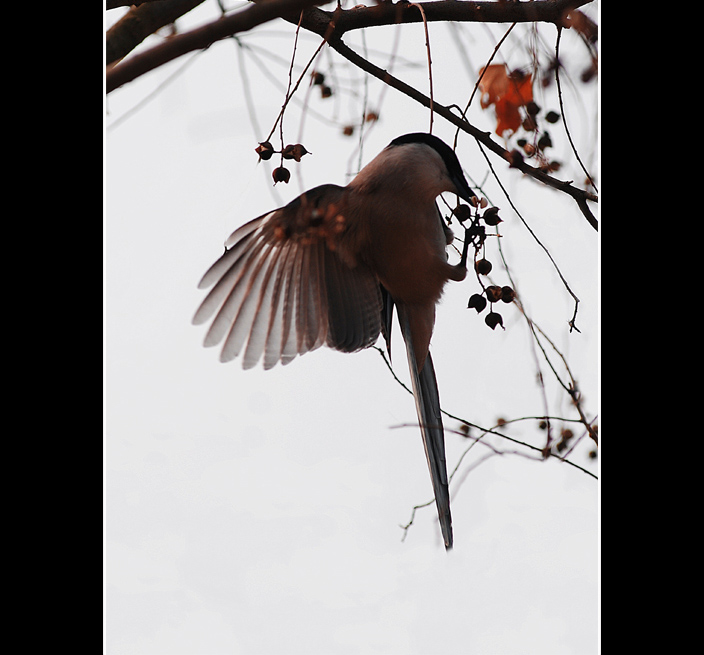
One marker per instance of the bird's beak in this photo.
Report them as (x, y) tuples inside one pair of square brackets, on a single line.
[(464, 191)]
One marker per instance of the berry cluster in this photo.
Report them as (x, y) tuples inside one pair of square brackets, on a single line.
[(535, 146), (318, 79), (476, 233), (281, 174)]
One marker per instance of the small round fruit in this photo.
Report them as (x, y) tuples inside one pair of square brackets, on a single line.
[(507, 294), (281, 174), (491, 216), (294, 152), (493, 319), (462, 213), (483, 267), (493, 293), (477, 301), (265, 150)]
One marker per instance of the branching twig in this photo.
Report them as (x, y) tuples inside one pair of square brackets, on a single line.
[(201, 37), (141, 21), (579, 195), (572, 388), (479, 79), (493, 452), (331, 25), (289, 93), (493, 431), (572, 321), (387, 13)]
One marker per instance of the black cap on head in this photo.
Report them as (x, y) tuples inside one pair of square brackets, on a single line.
[(448, 156)]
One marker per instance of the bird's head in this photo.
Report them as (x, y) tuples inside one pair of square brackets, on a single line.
[(435, 158)]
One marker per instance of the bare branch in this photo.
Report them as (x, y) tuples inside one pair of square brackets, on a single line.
[(386, 13), (138, 23), (330, 25), (201, 37), (579, 195), (318, 21)]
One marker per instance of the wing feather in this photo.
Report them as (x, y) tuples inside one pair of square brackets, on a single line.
[(258, 333), (242, 237), (245, 298), (281, 288), (277, 330)]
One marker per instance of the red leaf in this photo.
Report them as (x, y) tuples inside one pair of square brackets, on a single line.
[(507, 92)]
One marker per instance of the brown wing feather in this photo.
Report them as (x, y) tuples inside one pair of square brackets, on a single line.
[(282, 289)]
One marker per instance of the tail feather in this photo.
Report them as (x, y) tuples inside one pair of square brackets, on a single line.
[(425, 391)]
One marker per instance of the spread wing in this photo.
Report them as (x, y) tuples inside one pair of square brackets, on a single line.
[(285, 286)]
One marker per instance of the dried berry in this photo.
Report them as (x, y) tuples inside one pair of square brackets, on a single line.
[(477, 301), (517, 75), (318, 78), (265, 150), (552, 117), (281, 174), (493, 319), (294, 152), (588, 73), (299, 151), (461, 213), (532, 108), (529, 124), (483, 267), (544, 141), (491, 216), (325, 91), (507, 294), (493, 293), (515, 158)]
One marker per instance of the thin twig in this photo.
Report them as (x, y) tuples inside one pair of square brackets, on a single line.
[(289, 94), (562, 108), (579, 195), (572, 322), (430, 61), (155, 92), (479, 79), (494, 451), (486, 431), (201, 37)]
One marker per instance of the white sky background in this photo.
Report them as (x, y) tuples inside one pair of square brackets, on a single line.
[(258, 512)]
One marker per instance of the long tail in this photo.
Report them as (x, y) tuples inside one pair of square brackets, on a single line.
[(425, 391)]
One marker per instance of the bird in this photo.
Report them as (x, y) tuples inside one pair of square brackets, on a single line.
[(329, 268)]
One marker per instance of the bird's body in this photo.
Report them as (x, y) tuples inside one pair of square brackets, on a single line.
[(329, 267)]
